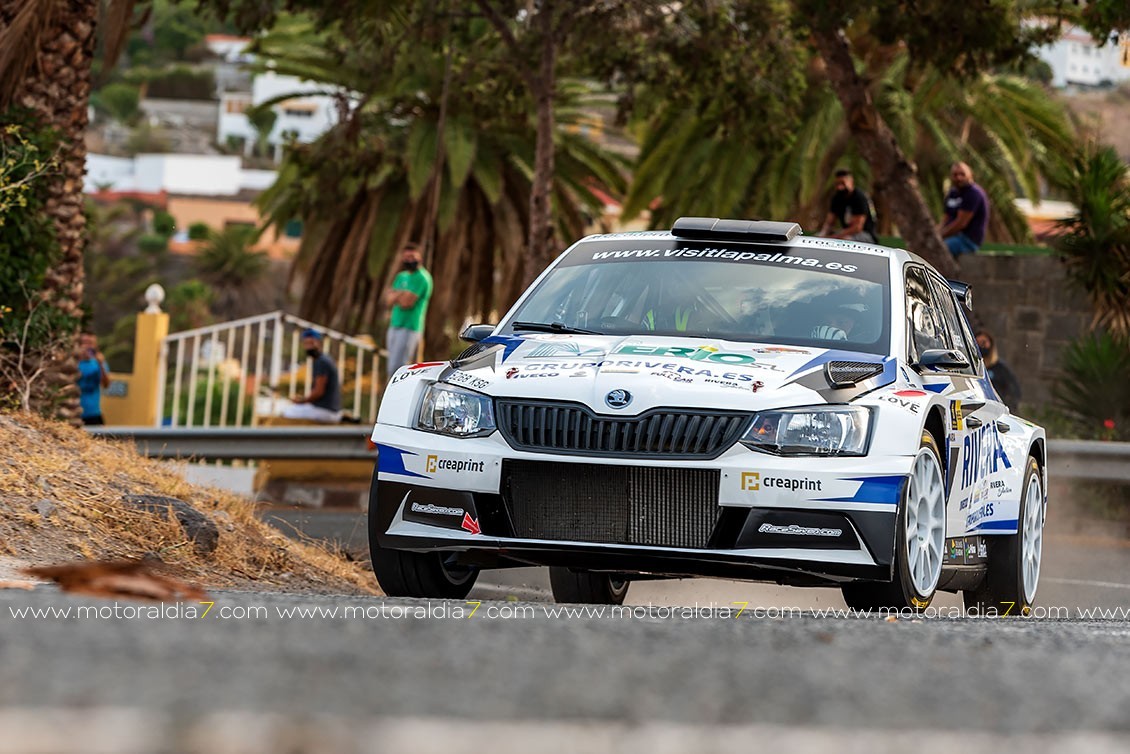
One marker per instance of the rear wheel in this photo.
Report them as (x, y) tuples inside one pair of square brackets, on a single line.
[(587, 587), (1013, 574), (415, 574), (919, 541)]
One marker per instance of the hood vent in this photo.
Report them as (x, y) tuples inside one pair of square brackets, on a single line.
[(843, 374)]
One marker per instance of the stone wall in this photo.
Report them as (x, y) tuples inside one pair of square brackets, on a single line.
[(1027, 304)]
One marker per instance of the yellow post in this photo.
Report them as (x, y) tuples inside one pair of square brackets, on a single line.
[(135, 403), (151, 330)]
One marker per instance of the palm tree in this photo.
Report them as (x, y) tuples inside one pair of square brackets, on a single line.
[(1095, 244), (375, 181), (236, 272), (1007, 128), (46, 51)]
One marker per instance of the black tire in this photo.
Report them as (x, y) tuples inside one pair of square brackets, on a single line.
[(1003, 591), (415, 574), (586, 587), (900, 593)]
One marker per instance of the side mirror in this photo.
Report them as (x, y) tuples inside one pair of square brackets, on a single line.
[(943, 359), (476, 333)]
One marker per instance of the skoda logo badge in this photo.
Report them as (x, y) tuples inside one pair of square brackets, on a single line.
[(618, 398)]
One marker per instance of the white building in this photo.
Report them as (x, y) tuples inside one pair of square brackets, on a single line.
[(187, 174), (230, 48), (305, 116), (1075, 58)]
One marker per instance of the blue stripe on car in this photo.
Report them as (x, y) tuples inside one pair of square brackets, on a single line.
[(884, 490), (390, 460)]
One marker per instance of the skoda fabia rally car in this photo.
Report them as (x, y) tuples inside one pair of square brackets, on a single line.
[(727, 399)]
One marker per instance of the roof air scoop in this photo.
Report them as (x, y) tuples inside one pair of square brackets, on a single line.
[(715, 229)]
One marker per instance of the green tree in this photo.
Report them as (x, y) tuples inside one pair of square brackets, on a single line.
[(118, 100), (375, 180), (46, 55), (232, 267), (1006, 127), (263, 120), (982, 37), (1095, 244)]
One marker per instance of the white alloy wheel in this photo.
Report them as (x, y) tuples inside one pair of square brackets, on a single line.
[(1032, 535), (925, 523)]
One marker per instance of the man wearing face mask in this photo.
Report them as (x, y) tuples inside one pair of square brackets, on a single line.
[(1003, 379), (850, 209), (408, 296), (323, 402)]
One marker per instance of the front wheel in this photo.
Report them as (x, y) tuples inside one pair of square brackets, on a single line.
[(919, 541), (415, 574), (1013, 573), (587, 587)]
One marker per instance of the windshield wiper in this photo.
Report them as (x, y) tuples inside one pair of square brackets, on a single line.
[(552, 327)]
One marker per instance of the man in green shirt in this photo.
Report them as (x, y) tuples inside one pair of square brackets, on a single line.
[(408, 296)]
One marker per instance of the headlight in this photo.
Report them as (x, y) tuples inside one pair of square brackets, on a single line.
[(451, 410), (830, 431)]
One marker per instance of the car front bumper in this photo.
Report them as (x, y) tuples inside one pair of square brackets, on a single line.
[(743, 515)]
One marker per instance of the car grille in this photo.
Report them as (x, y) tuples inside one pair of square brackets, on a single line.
[(552, 427), (631, 505)]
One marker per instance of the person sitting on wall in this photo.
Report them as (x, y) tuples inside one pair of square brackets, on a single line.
[(323, 402)]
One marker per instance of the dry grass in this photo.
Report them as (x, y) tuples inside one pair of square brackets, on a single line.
[(61, 499)]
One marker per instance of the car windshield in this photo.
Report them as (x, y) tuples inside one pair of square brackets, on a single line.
[(744, 292)]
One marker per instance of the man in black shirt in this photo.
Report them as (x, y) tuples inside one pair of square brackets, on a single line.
[(323, 402), (851, 210)]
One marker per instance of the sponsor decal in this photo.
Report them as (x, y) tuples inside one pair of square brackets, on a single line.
[(982, 549), (982, 454), (753, 385), (674, 377), (985, 511), (773, 350), (513, 373), (437, 510), (910, 393), (436, 463), (1001, 488), (582, 373), (956, 420), (902, 403), (702, 353), (412, 370), (471, 524), (466, 379), (567, 350), (800, 531), (726, 255), (753, 481)]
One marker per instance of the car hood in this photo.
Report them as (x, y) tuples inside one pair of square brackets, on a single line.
[(654, 371)]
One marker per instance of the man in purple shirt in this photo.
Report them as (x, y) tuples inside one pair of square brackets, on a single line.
[(967, 212)]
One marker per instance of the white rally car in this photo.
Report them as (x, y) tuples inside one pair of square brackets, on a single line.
[(726, 399)]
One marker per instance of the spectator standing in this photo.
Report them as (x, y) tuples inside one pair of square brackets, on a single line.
[(323, 402), (408, 297), (967, 212), (93, 375), (851, 209), (1003, 379)]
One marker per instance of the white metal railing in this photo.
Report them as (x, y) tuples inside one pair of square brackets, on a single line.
[(236, 373)]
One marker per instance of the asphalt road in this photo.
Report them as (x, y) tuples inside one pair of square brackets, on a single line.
[(293, 673), (1079, 570), (416, 676)]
